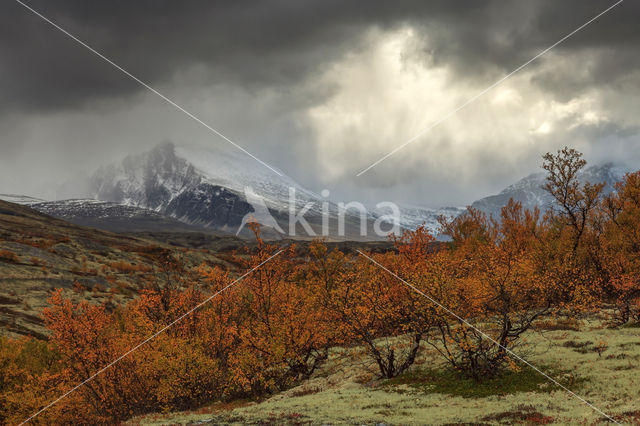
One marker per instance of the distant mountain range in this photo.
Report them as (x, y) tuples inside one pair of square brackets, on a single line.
[(529, 190), (188, 188)]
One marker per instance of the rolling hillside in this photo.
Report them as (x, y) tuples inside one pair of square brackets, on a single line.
[(39, 253)]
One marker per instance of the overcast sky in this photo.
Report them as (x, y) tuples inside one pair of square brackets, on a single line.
[(321, 89)]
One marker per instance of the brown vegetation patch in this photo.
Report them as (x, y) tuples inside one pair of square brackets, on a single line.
[(520, 414)]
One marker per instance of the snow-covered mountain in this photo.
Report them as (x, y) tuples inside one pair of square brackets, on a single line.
[(153, 179), (208, 188), (529, 190), (411, 217), (212, 189), (237, 171), (20, 199)]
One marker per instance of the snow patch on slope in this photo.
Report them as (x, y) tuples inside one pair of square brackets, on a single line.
[(20, 199), (236, 170), (411, 216)]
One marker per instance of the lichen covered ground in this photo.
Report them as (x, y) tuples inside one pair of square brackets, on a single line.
[(346, 391)]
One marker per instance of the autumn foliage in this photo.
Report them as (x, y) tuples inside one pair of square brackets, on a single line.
[(620, 241), (197, 336)]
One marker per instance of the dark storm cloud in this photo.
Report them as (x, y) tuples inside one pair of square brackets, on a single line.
[(258, 70), (501, 35), (258, 44)]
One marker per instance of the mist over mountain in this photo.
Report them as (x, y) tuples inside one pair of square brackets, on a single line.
[(208, 188)]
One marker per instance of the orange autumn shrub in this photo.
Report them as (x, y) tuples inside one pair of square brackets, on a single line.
[(30, 378), (572, 255), (174, 371), (9, 256), (372, 308), (488, 280), (283, 332), (127, 268), (621, 243)]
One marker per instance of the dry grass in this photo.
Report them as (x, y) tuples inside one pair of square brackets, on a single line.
[(39, 254)]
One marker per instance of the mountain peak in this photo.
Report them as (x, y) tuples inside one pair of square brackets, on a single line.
[(531, 193)]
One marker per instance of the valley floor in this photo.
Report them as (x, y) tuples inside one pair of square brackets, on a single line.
[(345, 391)]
